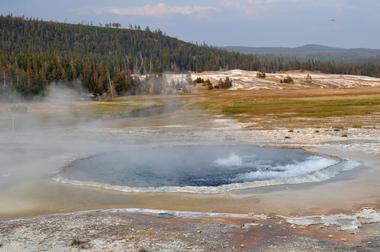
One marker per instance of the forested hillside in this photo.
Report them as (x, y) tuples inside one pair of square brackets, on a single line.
[(34, 53)]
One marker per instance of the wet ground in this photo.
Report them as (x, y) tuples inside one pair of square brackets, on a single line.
[(35, 157), (39, 155)]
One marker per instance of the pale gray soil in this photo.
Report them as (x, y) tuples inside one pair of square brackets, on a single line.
[(121, 231)]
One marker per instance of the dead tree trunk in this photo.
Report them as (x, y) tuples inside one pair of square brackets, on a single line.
[(110, 85)]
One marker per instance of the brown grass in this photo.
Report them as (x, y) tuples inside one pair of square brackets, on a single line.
[(302, 108)]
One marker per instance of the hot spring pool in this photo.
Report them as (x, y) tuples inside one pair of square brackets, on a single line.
[(210, 169)]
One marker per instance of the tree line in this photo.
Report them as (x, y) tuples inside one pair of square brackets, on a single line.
[(34, 53)]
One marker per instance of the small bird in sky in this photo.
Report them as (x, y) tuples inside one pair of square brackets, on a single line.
[(332, 20)]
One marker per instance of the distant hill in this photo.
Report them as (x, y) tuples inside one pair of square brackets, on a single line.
[(317, 52), (140, 50), (34, 53)]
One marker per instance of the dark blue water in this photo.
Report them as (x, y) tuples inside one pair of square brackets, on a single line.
[(190, 166)]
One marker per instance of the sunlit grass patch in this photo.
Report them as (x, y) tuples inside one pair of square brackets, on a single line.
[(119, 106), (289, 108)]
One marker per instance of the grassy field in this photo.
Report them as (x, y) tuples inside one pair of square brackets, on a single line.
[(268, 109), (305, 108), (118, 106), (285, 108)]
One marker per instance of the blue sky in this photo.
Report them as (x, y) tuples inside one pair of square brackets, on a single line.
[(342, 23)]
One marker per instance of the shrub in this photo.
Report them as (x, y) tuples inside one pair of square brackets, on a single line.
[(75, 242), (224, 84), (209, 84), (199, 80), (308, 79), (287, 79), (261, 75)]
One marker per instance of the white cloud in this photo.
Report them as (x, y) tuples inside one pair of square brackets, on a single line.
[(261, 8), (267, 2), (159, 10), (342, 7), (241, 3)]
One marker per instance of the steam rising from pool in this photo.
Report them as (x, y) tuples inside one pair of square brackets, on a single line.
[(231, 160), (36, 148), (297, 168), (200, 169)]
